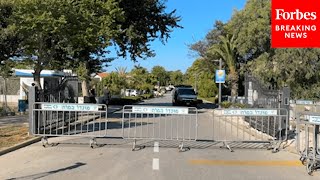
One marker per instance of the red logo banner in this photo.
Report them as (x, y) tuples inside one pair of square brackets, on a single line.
[(295, 24)]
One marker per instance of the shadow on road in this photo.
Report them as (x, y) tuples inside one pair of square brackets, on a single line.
[(44, 174)]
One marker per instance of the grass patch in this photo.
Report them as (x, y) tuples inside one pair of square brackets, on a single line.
[(12, 135), (210, 99)]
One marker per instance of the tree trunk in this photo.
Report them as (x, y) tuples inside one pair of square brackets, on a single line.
[(84, 87), (233, 77), (5, 95), (36, 78)]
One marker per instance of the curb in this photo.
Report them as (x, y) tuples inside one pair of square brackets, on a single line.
[(21, 145)]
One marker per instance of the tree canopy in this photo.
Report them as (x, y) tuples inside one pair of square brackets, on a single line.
[(251, 30), (59, 34)]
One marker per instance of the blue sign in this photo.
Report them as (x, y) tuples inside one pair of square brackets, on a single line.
[(220, 76)]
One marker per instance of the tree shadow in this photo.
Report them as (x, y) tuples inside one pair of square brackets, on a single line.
[(44, 174)]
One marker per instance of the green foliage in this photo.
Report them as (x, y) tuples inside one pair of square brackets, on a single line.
[(200, 74), (244, 43), (141, 79), (176, 77), (207, 87), (59, 34), (160, 74), (296, 68), (114, 82), (9, 40), (227, 50), (226, 104), (144, 21)]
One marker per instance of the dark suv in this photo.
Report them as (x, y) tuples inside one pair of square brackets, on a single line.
[(184, 95)]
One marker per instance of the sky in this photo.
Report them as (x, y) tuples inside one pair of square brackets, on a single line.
[(198, 17)]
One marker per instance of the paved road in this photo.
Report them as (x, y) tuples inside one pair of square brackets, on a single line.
[(23, 119), (71, 158)]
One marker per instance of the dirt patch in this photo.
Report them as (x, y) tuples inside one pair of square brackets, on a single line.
[(12, 135)]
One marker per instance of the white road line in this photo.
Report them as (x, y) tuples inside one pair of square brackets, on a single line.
[(156, 147), (155, 164)]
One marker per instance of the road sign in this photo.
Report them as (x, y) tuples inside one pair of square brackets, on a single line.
[(69, 107), (220, 76), (249, 112), (314, 119), (159, 110)]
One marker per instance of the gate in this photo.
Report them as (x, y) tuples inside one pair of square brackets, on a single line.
[(160, 123), (250, 126)]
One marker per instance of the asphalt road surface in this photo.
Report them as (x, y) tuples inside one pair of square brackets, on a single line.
[(113, 158)]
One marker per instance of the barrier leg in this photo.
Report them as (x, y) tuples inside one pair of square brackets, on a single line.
[(93, 141), (44, 141), (134, 145), (182, 148), (226, 145)]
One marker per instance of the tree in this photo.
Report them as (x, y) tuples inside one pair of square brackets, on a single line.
[(143, 22), (140, 78), (122, 71), (251, 27), (114, 82), (160, 74), (296, 68), (9, 40), (176, 77), (62, 33), (201, 47), (201, 77), (227, 50), (9, 45)]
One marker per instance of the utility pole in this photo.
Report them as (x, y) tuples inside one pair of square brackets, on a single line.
[(220, 67)]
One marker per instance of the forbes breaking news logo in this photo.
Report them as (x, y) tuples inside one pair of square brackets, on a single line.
[(295, 24)]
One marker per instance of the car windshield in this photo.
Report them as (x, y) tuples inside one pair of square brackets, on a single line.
[(187, 91)]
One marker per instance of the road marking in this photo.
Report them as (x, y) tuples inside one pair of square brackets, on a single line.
[(156, 147), (244, 163), (155, 164)]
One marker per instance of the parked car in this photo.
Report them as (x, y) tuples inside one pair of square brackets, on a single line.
[(184, 95), (131, 92)]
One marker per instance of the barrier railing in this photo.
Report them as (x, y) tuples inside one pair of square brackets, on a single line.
[(159, 123), (67, 119), (250, 125), (308, 140)]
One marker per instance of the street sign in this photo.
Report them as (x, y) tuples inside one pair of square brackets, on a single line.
[(249, 112), (314, 119), (220, 76), (69, 107), (159, 110)]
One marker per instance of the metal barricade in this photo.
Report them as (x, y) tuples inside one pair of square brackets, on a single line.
[(250, 126), (67, 119), (160, 123), (308, 140)]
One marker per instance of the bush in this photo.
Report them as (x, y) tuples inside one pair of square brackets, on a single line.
[(227, 104)]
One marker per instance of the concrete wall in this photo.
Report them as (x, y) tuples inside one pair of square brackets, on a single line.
[(10, 99)]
